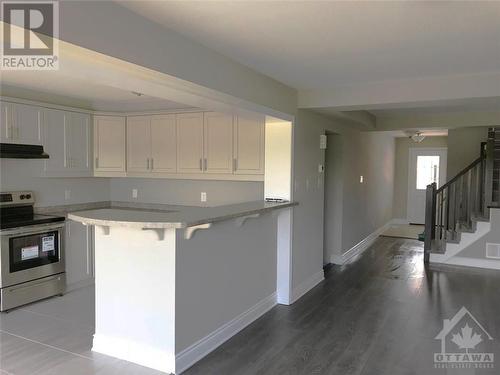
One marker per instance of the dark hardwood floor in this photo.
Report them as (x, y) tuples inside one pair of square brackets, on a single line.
[(379, 314)]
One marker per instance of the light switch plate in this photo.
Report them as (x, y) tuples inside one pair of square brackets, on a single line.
[(322, 142), (203, 196), (67, 195), (134, 193)]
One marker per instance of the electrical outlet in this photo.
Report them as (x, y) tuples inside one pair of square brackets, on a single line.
[(361, 179), (134, 193), (67, 195), (203, 196)]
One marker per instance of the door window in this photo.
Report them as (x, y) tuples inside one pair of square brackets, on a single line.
[(427, 171)]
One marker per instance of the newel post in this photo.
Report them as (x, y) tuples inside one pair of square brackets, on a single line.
[(430, 220)]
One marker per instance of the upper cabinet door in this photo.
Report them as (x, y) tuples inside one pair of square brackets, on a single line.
[(138, 143), (218, 143), (189, 142), (56, 133), (109, 143), (21, 124), (163, 144), (6, 122), (79, 142), (249, 145), (28, 123)]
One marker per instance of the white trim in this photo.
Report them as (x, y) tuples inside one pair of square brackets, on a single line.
[(161, 360), (360, 247), (307, 285), (468, 262), (192, 354)]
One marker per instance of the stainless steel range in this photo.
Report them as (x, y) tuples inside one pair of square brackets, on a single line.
[(31, 252)]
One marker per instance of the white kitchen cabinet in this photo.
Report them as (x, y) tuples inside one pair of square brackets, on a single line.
[(138, 143), (79, 143), (163, 144), (189, 128), (109, 145), (79, 254), (249, 145), (151, 144), (21, 123), (218, 143), (56, 133), (66, 138), (6, 126)]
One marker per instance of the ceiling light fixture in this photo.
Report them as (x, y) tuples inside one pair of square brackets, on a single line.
[(417, 137)]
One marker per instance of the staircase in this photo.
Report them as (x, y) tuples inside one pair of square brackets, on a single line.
[(456, 210)]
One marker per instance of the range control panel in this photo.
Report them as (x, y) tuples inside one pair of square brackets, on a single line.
[(14, 198)]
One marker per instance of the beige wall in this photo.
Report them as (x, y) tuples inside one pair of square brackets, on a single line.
[(464, 147), (367, 206), (401, 173), (354, 210)]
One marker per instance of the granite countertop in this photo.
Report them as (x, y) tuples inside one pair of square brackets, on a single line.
[(170, 216)]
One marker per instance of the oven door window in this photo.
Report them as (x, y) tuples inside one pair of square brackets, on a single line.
[(33, 250)]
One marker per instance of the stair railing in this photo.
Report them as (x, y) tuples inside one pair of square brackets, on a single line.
[(453, 207)]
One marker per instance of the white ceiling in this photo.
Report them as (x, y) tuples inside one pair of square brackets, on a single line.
[(52, 87), (465, 105), (323, 44)]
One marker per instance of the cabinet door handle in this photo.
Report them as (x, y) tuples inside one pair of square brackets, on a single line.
[(97, 162), (206, 164), (235, 164), (147, 163), (201, 164), (152, 163)]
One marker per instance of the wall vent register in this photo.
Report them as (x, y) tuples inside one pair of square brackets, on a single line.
[(493, 250)]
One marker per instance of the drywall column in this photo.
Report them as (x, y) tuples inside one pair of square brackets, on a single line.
[(284, 246), (278, 184), (135, 295)]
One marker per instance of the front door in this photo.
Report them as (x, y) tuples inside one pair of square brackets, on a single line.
[(426, 165)]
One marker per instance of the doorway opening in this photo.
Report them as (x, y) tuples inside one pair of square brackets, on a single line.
[(332, 233), (426, 166)]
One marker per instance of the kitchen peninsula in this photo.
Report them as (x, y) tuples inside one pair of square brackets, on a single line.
[(174, 283)]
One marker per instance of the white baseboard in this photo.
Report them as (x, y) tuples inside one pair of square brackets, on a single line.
[(79, 284), (361, 246), (307, 285), (161, 360), (189, 356), (468, 262)]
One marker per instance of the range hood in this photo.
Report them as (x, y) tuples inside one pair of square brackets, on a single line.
[(17, 151)]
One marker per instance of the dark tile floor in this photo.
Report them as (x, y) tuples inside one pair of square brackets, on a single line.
[(377, 315)]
